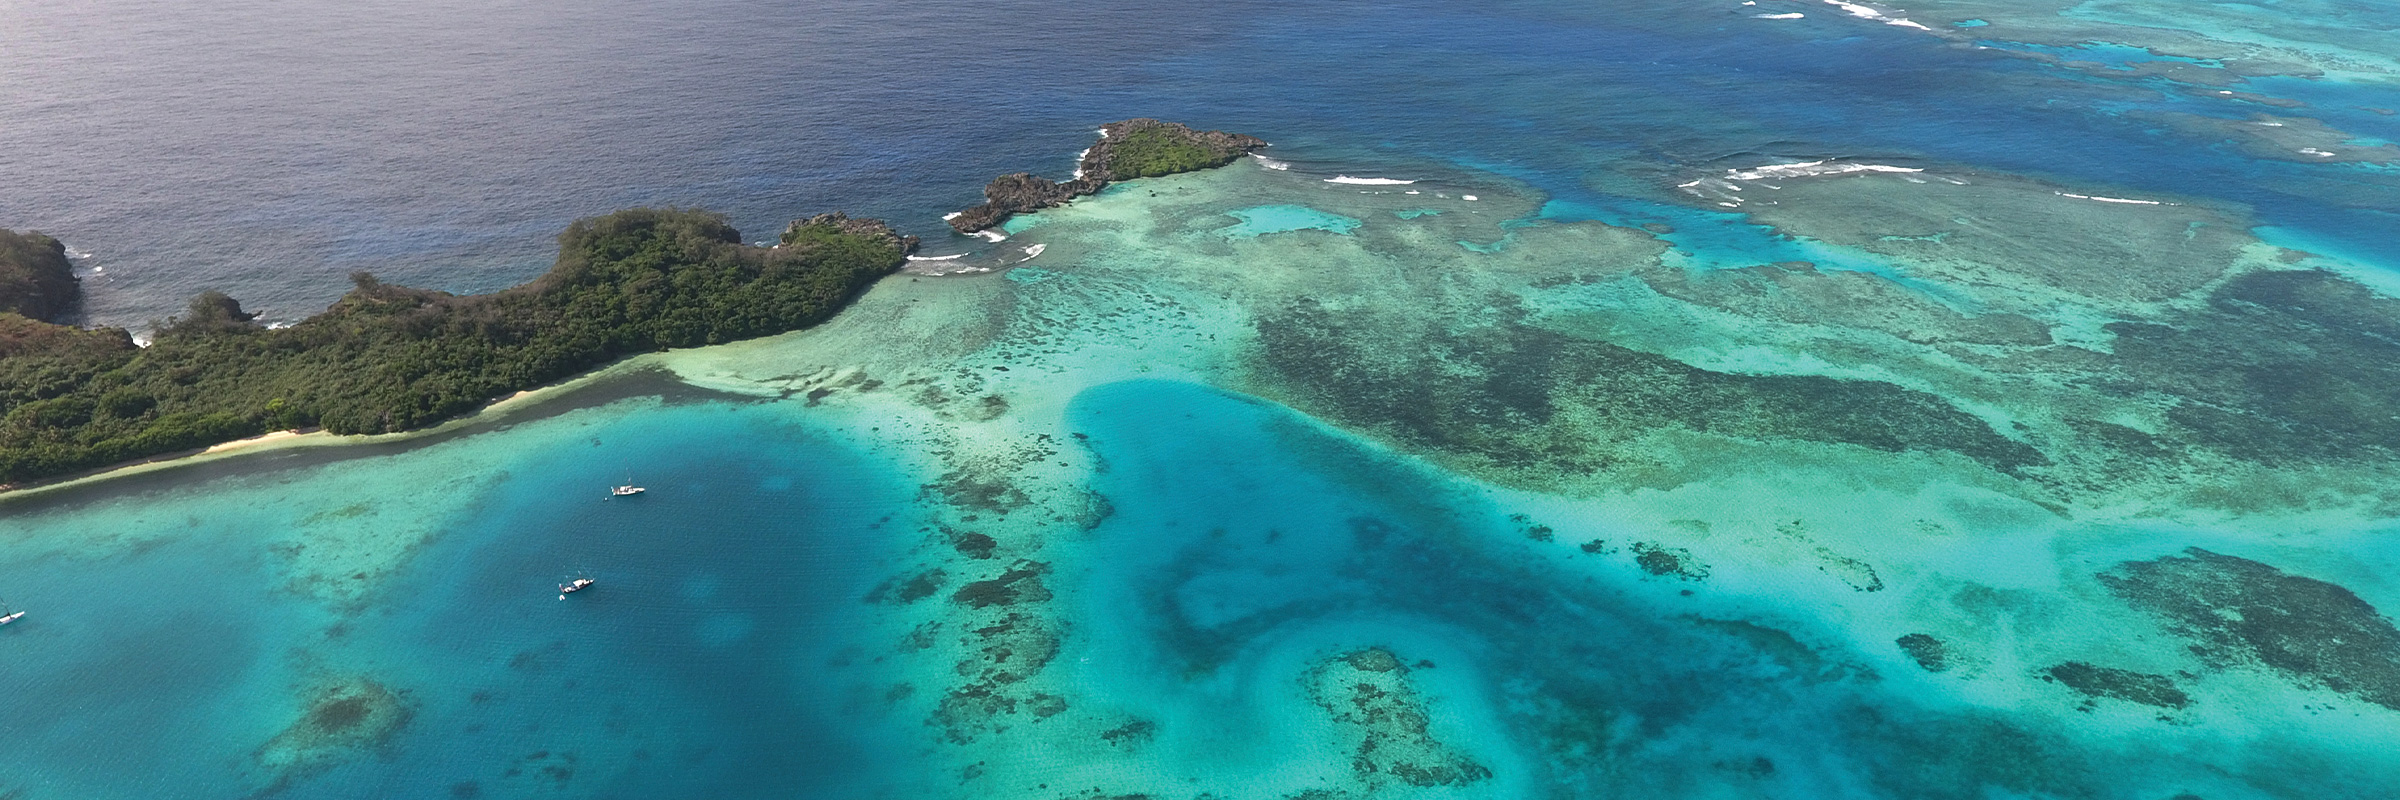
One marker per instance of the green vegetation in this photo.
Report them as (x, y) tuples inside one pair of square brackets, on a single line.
[(35, 279), (1149, 152), (388, 358)]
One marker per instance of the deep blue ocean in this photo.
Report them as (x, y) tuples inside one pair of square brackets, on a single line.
[(268, 149), (739, 644)]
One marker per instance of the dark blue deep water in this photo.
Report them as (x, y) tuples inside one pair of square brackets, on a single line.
[(270, 148)]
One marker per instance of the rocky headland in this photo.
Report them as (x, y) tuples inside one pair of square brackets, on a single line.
[(389, 358), (1134, 148), (35, 279)]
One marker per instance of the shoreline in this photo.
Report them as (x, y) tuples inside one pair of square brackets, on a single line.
[(1100, 164), (276, 441)]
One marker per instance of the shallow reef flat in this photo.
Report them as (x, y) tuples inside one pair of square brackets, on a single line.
[(1785, 528)]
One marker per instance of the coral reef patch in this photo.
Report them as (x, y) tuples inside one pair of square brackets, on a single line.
[(2238, 612)]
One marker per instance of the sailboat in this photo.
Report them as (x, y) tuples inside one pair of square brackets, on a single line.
[(11, 616), (577, 585), (626, 490)]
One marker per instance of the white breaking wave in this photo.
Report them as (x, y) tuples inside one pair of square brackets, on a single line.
[(2311, 151), (1727, 193), (951, 216), (993, 236), (1866, 12), (1032, 250), (1467, 197), (1793, 15), (1270, 163), (1368, 181), (77, 254), (2125, 200), (951, 257), (1806, 169)]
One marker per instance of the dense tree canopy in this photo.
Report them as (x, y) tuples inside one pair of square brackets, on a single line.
[(388, 358)]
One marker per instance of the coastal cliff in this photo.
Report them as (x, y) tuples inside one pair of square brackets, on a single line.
[(389, 358), (35, 278), (1134, 148)]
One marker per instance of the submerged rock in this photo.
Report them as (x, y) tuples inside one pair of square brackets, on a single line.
[(1929, 652), (1658, 559), (2241, 612), (1369, 692), (341, 722), (1134, 148), (2122, 684)]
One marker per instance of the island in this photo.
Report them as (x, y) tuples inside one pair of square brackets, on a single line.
[(1134, 148), (389, 358)]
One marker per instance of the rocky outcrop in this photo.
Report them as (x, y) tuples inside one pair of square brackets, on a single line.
[(35, 278), (838, 222), (1134, 148)]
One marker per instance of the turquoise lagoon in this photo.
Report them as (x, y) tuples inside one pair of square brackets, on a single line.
[(1173, 513)]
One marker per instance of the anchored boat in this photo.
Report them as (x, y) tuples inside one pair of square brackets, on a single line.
[(579, 584)]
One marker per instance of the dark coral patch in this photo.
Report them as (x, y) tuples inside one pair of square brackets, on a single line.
[(1130, 734), (1520, 397), (2238, 611), (905, 589), (341, 721), (1021, 583), (971, 544), (1369, 693), (2121, 684), (2278, 367), (1929, 652), (1658, 559)]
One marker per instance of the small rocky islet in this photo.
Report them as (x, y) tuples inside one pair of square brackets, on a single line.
[(1134, 148)]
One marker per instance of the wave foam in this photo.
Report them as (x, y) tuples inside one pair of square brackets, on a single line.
[(1368, 181), (992, 236), (1868, 12), (1808, 169), (1793, 15), (2125, 200), (951, 257), (1270, 163), (1032, 250), (951, 216)]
